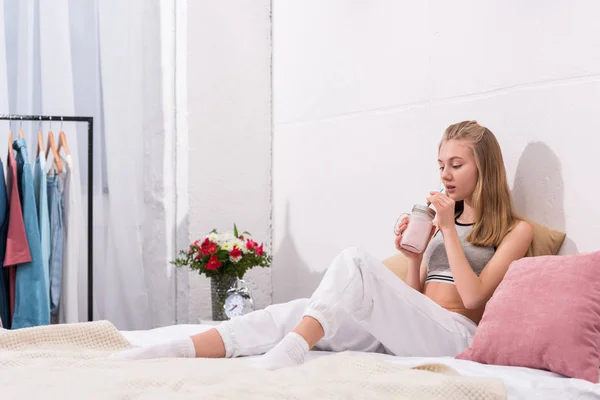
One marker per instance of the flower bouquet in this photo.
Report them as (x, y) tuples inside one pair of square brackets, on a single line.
[(224, 258)]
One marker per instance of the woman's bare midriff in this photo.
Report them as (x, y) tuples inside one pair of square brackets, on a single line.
[(446, 295)]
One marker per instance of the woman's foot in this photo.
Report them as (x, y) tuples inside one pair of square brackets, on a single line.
[(288, 353), (183, 348)]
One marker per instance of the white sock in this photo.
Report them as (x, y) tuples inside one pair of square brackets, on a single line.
[(183, 348), (288, 353)]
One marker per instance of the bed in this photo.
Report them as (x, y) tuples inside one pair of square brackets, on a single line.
[(73, 361), (520, 383)]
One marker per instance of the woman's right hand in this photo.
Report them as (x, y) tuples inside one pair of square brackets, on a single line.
[(408, 254)]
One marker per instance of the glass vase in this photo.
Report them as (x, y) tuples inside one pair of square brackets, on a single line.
[(218, 290)]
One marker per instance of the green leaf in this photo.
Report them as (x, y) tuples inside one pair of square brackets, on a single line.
[(246, 233), (235, 231), (223, 255)]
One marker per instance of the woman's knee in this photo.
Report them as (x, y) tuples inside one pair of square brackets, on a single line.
[(367, 264), (355, 256)]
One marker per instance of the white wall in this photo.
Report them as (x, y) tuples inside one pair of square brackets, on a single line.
[(364, 90), (229, 133)]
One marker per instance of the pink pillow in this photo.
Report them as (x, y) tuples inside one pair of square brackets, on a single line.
[(545, 314)]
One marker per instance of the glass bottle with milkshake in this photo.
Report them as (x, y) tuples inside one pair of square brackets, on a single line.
[(419, 230)]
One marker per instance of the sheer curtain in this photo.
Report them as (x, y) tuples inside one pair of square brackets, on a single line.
[(103, 58)]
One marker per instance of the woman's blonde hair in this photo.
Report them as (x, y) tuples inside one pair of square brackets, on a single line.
[(494, 209)]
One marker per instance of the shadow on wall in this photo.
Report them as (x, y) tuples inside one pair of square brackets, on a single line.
[(538, 190), (292, 277)]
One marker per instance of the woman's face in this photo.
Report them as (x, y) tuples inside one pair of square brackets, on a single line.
[(458, 169)]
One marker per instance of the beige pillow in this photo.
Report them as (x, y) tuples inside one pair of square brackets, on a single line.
[(545, 242), (398, 264)]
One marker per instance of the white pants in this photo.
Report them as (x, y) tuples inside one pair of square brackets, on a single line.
[(362, 306)]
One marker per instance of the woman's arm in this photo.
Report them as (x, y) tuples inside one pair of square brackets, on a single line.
[(414, 277), (475, 290)]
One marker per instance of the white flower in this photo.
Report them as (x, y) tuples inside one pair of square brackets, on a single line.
[(227, 241), (217, 238), (240, 245), (235, 259), (228, 238)]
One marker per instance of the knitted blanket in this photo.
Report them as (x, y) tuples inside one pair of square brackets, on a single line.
[(70, 362)]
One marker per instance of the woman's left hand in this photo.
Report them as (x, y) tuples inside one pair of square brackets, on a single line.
[(444, 207)]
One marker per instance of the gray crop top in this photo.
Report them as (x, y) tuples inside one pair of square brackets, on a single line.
[(436, 259)]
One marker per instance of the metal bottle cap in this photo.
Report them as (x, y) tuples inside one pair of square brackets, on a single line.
[(425, 210)]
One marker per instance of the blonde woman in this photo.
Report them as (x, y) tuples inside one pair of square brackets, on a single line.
[(361, 305)]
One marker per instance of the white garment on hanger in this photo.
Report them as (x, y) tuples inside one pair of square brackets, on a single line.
[(73, 257)]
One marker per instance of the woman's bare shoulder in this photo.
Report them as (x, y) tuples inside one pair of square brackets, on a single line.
[(521, 231)]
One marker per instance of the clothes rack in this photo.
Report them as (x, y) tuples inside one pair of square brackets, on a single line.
[(90, 242)]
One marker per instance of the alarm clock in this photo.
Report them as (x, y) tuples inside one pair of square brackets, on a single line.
[(238, 300)]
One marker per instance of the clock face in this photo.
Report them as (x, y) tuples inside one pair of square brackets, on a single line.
[(234, 305)]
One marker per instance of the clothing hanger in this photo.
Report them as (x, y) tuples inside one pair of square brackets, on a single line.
[(52, 147), (40, 148), (62, 140), (21, 135), (9, 140)]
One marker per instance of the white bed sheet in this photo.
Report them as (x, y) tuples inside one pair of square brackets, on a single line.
[(520, 383)]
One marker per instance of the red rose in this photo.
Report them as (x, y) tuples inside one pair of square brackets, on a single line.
[(213, 263), (235, 252), (259, 250), (208, 247), (211, 248), (250, 244), (202, 247)]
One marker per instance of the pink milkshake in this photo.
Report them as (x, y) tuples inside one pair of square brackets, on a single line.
[(416, 235)]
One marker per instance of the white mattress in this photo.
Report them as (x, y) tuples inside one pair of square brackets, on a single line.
[(520, 383)]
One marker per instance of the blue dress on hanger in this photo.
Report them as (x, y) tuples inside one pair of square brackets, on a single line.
[(32, 305)]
